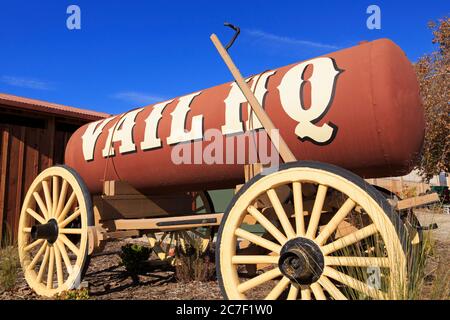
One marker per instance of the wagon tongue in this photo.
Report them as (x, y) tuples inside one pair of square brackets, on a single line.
[(301, 261), (48, 231)]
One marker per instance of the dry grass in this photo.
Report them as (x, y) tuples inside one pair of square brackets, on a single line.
[(194, 264), (440, 288), (9, 267), (9, 262), (417, 263)]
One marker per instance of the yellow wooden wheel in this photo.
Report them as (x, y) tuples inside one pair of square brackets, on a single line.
[(53, 231), (167, 244), (334, 237)]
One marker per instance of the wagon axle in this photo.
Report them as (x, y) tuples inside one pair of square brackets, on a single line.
[(48, 231), (301, 261)]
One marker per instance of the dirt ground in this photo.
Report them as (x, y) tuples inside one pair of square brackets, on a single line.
[(107, 279)]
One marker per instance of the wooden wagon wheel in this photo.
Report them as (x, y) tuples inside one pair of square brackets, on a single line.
[(305, 256), (53, 231), (165, 244)]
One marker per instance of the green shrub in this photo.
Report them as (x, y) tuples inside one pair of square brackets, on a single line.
[(133, 257)]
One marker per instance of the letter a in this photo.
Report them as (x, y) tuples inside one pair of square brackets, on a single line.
[(374, 20), (74, 20)]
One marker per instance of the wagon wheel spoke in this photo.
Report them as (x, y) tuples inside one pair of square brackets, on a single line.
[(33, 244), (64, 255), (357, 261), (266, 224), (71, 230), (55, 194), (198, 234), (278, 289), (37, 256), (164, 236), (185, 237), (179, 241), (332, 225), (298, 208), (258, 280), (293, 292), (318, 291), (200, 208), (48, 198), (169, 245), (305, 294), (354, 283), (69, 244), (70, 218), (157, 245), (51, 266), (43, 264), (331, 288), (67, 207), (41, 205), (61, 198), (316, 211), (59, 268), (254, 259), (350, 239), (35, 215), (269, 245), (281, 214), (205, 237)]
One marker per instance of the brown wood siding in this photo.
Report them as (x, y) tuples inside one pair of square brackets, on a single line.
[(25, 150)]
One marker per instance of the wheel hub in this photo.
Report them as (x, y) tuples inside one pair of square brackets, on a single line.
[(301, 261), (48, 231)]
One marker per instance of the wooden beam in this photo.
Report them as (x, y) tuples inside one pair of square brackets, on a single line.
[(417, 201), (118, 187), (251, 170), (283, 149), (4, 170), (121, 234), (167, 224)]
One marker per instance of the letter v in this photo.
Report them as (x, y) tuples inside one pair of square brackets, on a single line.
[(90, 137)]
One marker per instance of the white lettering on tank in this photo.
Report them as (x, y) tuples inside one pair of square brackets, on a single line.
[(121, 132), (178, 132), (90, 137), (322, 89), (151, 139), (234, 101)]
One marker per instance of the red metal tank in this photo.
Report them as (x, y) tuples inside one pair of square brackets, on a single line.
[(358, 108)]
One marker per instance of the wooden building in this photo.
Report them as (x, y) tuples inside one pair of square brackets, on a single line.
[(33, 136)]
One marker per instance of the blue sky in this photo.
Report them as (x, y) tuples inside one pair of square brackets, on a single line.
[(132, 53)]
